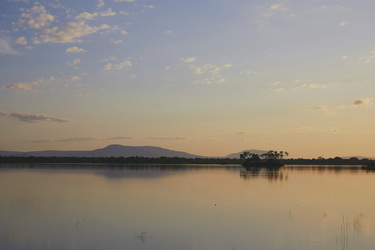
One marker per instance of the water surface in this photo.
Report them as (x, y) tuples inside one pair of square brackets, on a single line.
[(186, 207)]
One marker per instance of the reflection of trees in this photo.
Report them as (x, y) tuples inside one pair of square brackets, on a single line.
[(349, 230), (325, 168), (272, 174)]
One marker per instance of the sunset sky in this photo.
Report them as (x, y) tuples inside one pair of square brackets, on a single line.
[(209, 77)]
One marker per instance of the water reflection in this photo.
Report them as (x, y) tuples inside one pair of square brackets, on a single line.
[(325, 168), (282, 173), (120, 171), (272, 174), (350, 229), (146, 207)]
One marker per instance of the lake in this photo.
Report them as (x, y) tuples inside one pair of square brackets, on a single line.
[(186, 207)]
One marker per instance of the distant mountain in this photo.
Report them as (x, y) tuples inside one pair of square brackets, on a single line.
[(359, 157), (253, 151), (129, 151), (109, 151)]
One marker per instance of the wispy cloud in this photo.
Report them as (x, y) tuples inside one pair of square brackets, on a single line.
[(149, 6), (316, 130), (166, 138), (116, 41), (21, 40), (321, 108), (80, 139), (100, 4), (108, 12), (120, 138), (343, 23), (271, 9), (75, 139), (36, 17), (189, 59), (367, 58), (210, 72), (332, 110), (87, 16), (27, 86), (314, 86), (70, 32), (74, 49), (364, 102), (276, 6), (32, 118), (6, 49), (75, 78), (42, 141), (123, 65)]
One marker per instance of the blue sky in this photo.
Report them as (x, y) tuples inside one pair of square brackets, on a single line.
[(207, 77)]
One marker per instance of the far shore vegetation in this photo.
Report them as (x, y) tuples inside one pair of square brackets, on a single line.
[(271, 159), (178, 160)]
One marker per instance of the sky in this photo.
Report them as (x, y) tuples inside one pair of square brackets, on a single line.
[(208, 77)]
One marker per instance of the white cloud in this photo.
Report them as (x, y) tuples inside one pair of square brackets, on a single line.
[(100, 4), (275, 6), (116, 41), (74, 49), (124, 32), (112, 58), (87, 16), (76, 61), (120, 138), (343, 23), (367, 58), (123, 13), (168, 32), (149, 6), (125, 64), (166, 138), (32, 118), (211, 73), (129, 1), (20, 86), (108, 12), (27, 86), (247, 72), (75, 139), (189, 60), (108, 66), (70, 32), (37, 17), (314, 86), (168, 68), (321, 107), (21, 40), (316, 130), (75, 78)]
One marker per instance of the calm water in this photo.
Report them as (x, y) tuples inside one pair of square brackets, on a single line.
[(181, 207)]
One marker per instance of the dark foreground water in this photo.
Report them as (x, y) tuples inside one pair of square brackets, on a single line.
[(184, 207)]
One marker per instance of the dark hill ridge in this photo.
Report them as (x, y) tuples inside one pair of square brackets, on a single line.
[(109, 151)]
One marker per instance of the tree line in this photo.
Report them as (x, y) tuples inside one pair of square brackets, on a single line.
[(180, 160)]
